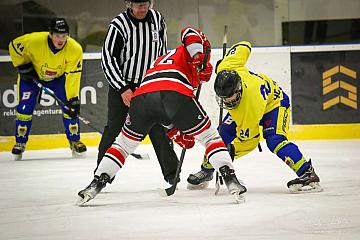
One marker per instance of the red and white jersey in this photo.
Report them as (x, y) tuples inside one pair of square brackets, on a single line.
[(171, 72)]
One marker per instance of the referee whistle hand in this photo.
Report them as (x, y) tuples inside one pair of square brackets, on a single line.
[(126, 97)]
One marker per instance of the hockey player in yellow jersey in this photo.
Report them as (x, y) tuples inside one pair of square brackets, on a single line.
[(253, 100), (55, 60)]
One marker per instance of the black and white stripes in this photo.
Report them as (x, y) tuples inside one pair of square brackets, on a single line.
[(131, 46)]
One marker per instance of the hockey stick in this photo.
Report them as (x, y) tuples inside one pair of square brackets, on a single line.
[(171, 190), (217, 183), (86, 122)]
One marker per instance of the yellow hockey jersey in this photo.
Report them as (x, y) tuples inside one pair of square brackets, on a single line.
[(49, 64), (260, 94)]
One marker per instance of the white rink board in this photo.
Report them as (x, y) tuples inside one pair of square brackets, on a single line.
[(38, 195), (272, 61)]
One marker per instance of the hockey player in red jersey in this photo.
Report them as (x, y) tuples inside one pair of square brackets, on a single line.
[(166, 96)]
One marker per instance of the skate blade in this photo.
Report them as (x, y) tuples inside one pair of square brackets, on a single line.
[(81, 201), (239, 198), (78, 155), (17, 157), (200, 186), (299, 188)]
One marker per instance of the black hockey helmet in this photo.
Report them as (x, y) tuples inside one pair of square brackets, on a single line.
[(228, 89), (58, 25)]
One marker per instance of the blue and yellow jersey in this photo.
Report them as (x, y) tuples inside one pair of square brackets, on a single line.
[(260, 94), (48, 62)]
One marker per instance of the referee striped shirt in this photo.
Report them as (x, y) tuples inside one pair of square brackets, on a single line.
[(130, 46)]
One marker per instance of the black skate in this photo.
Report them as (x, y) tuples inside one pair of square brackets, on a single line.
[(199, 180), (78, 148), (308, 182), (18, 150), (97, 184), (233, 184)]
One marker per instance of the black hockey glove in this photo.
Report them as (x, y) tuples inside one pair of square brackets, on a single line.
[(74, 107), (27, 72)]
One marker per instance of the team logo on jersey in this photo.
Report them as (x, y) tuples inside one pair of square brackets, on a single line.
[(49, 73), (328, 86), (21, 131), (155, 35)]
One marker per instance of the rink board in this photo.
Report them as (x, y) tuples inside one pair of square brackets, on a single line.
[(332, 119), (297, 132)]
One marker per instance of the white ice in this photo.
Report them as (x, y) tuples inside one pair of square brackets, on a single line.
[(38, 194)]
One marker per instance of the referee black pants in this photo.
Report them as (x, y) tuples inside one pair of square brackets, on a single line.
[(117, 112)]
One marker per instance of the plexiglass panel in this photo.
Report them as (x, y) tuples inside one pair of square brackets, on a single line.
[(262, 22)]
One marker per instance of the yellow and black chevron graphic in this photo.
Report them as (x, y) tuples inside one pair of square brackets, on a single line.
[(329, 86)]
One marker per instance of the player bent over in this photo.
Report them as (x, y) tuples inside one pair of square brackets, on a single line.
[(252, 100), (55, 60), (166, 96)]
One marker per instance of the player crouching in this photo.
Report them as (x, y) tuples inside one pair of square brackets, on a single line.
[(53, 59), (165, 96), (252, 100)]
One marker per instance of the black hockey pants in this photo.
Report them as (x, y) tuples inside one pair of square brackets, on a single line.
[(117, 112)]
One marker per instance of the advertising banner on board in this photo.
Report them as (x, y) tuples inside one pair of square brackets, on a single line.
[(47, 116), (325, 87)]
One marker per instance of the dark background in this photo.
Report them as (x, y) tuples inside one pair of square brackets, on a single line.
[(307, 86)]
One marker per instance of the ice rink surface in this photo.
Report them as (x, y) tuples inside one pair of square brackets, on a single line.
[(38, 195)]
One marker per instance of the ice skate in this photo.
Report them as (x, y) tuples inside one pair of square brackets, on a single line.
[(78, 148), (308, 182), (97, 184), (18, 150), (232, 183), (200, 180)]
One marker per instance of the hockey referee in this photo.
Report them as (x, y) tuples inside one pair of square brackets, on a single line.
[(135, 38)]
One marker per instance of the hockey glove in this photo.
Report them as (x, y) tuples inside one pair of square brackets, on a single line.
[(198, 62), (74, 107), (184, 141), (205, 75), (27, 72)]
